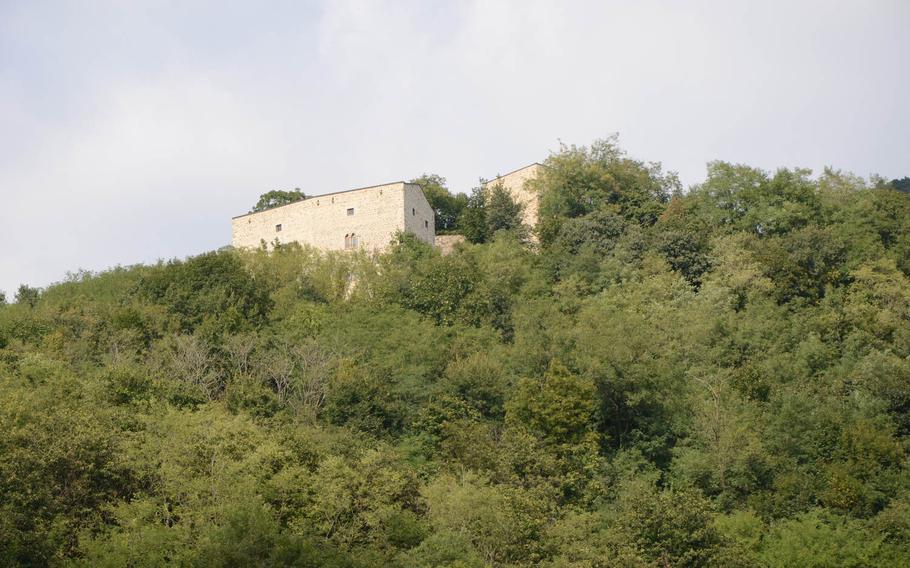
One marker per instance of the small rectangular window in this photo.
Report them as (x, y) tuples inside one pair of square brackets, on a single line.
[(426, 224), (413, 211), (350, 211), (278, 228)]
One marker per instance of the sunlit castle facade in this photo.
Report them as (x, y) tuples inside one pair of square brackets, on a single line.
[(358, 219)]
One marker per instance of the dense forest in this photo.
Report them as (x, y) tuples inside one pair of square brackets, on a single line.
[(653, 377)]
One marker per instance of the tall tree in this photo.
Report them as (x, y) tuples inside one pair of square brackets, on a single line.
[(446, 207), (473, 218), (580, 180), (489, 209), (902, 184), (27, 295), (276, 198), (503, 212)]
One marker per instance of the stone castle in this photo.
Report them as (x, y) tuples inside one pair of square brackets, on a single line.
[(363, 219)]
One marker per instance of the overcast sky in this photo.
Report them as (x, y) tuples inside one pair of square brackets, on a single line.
[(132, 131)]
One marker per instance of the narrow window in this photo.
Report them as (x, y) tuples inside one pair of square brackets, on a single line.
[(347, 242), (350, 211), (355, 241), (426, 224), (413, 211), (278, 228)]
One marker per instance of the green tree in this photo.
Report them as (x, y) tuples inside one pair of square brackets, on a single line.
[(446, 207), (473, 218), (559, 408), (668, 528), (816, 539), (489, 210), (579, 180), (212, 289), (499, 522), (277, 198), (748, 199), (803, 263), (503, 212), (59, 461), (28, 296), (902, 184)]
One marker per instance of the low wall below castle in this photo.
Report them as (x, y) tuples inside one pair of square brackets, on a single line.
[(447, 243)]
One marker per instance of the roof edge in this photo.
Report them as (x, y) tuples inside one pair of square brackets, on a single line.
[(323, 195), (516, 170)]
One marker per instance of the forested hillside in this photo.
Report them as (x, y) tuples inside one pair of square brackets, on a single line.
[(717, 377)]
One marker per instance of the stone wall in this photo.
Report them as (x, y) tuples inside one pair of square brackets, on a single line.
[(447, 243), (373, 214), (418, 215)]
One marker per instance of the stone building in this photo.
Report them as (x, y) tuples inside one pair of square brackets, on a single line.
[(365, 218), (515, 183)]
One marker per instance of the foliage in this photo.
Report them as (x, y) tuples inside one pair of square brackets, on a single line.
[(488, 210), (211, 289), (446, 207), (27, 295), (581, 180), (473, 219), (277, 198), (715, 378), (503, 213)]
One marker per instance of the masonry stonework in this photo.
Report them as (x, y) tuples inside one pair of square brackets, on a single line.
[(447, 243), (365, 218)]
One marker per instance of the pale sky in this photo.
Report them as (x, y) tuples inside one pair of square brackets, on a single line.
[(133, 131)]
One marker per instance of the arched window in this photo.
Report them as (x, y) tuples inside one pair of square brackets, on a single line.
[(351, 241)]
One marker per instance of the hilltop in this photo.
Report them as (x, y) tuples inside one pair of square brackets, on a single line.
[(718, 377)]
